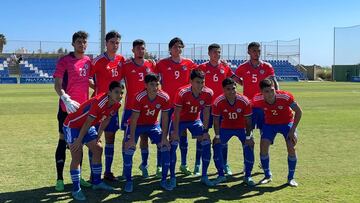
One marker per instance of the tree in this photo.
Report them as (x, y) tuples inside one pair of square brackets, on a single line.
[(149, 55), (60, 51), (2, 42)]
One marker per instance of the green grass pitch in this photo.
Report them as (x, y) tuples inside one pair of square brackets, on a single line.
[(328, 167)]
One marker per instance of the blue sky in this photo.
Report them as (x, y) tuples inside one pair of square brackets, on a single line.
[(200, 21)]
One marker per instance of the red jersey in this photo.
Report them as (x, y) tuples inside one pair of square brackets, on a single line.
[(232, 115), (278, 113), (149, 109), (105, 70), (134, 75), (214, 75), (252, 76), (96, 107), (75, 76), (191, 105), (174, 75)]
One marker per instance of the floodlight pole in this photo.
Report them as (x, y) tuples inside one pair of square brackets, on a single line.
[(102, 25)]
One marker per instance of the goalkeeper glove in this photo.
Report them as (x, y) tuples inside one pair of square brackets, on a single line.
[(71, 105)]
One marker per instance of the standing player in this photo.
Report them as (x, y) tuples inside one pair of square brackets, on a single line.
[(144, 120), (72, 85), (278, 106), (133, 71), (189, 101), (235, 113), (175, 73), (104, 70), (79, 130), (250, 74), (215, 72)]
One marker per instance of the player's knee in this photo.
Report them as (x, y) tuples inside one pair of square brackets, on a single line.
[(76, 157), (144, 145), (143, 141), (97, 149), (264, 147), (61, 136), (216, 141), (291, 150), (109, 137)]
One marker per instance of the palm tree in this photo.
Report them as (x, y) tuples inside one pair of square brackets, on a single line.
[(2, 42)]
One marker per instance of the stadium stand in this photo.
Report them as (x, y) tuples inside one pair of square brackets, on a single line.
[(43, 68), (4, 69)]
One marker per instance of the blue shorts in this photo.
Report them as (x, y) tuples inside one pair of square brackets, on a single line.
[(257, 118), (226, 134), (70, 134), (211, 120), (113, 125), (195, 128), (269, 131), (125, 117), (152, 131)]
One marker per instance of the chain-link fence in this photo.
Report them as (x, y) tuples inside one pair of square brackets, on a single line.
[(274, 50)]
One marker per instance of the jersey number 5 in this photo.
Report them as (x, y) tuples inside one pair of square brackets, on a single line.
[(253, 78)]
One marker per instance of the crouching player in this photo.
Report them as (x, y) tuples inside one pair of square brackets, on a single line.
[(278, 107), (189, 102), (232, 117), (146, 108), (79, 129)]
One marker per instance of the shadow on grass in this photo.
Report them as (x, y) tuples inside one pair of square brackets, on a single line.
[(188, 188)]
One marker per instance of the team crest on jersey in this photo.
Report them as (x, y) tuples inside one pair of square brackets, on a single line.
[(265, 109), (184, 68), (169, 68), (86, 66), (158, 106), (238, 110), (222, 71), (201, 102), (280, 107), (262, 71), (147, 70)]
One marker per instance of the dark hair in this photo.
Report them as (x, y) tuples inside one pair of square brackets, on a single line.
[(228, 81), (253, 44), (175, 40), (197, 73), (151, 77), (138, 42), (115, 84), (112, 34), (266, 83), (79, 34), (213, 46)]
